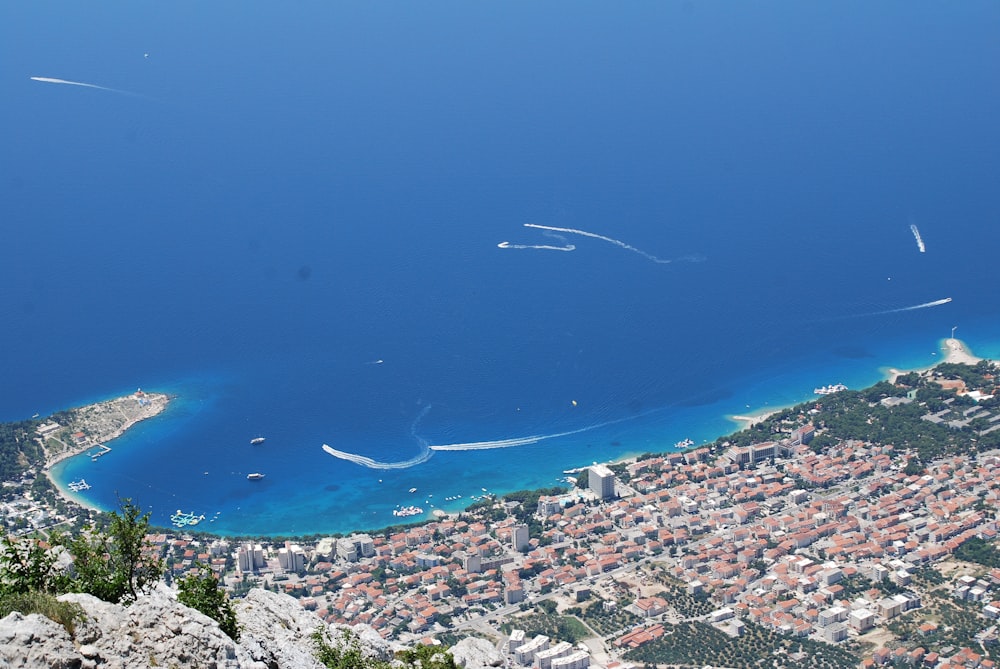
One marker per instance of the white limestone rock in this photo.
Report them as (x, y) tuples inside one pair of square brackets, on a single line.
[(476, 653), (155, 630), (275, 631), (34, 641)]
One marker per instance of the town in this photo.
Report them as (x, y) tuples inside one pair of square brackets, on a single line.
[(846, 551)]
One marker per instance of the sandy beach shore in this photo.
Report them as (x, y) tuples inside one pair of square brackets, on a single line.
[(955, 351), (750, 421)]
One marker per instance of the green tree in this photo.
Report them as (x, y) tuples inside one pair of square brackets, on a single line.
[(119, 564), (201, 591), (28, 582), (25, 566)]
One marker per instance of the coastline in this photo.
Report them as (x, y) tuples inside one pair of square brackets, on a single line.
[(128, 414), (747, 421), (93, 426), (955, 351)]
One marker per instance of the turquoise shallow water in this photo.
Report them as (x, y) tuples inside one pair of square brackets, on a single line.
[(189, 459), (299, 194)]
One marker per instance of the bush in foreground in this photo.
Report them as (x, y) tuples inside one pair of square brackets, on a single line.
[(66, 614), (201, 592)]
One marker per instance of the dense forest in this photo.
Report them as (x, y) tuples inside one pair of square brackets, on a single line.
[(18, 449)]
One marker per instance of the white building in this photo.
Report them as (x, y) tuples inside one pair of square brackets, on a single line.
[(579, 659), (861, 620), (250, 558), (834, 614), (544, 658), (472, 562), (525, 653), (355, 547), (292, 557), (520, 537), (602, 481), (835, 633)]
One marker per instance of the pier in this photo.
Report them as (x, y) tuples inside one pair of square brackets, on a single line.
[(77, 486), (102, 450)]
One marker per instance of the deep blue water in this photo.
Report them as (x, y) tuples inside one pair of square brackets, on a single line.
[(293, 194)]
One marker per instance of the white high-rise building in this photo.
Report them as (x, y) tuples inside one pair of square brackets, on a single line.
[(521, 537), (250, 557), (602, 481), (292, 557)]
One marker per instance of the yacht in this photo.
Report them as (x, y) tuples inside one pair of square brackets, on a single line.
[(256, 476), (257, 440)]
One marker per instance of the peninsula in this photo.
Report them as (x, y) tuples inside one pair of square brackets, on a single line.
[(74, 431)]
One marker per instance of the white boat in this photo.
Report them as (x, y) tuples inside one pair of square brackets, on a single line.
[(258, 440), (413, 490), (829, 390), (256, 476)]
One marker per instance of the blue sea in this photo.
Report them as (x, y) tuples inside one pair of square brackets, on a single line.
[(291, 219)]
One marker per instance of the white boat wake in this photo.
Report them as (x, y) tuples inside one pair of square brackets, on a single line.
[(916, 236), (427, 450), (516, 441), (542, 247), (867, 314), (375, 464), (550, 230), (925, 305), (52, 80)]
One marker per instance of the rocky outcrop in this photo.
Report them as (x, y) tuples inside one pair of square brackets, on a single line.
[(476, 653), (158, 631), (275, 632), (35, 641)]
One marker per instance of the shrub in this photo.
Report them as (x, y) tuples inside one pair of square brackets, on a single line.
[(115, 566), (344, 653), (66, 614), (201, 592)]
